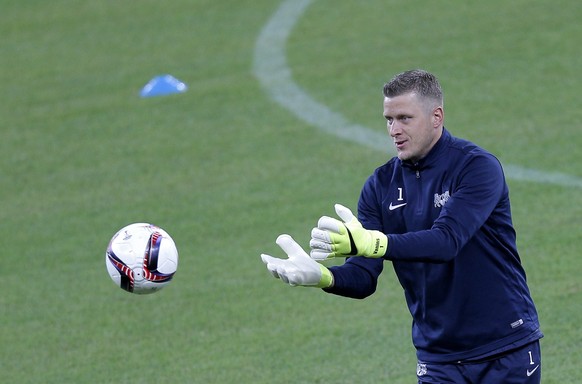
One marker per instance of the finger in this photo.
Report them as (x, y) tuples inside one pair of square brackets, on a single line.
[(267, 258), (322, 245), (274, 265), (291, 275), (320, 235), (319, 254), (290, 246), (293, 279), (344, 213), (330, 224), (284, 278)]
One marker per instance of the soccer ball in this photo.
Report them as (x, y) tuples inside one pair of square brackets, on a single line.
[(141, 258)]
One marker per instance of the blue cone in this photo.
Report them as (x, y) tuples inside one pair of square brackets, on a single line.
[(163, 85)]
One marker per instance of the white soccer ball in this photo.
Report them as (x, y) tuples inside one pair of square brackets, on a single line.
[(141, 258)]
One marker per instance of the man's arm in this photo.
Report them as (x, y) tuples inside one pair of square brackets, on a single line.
[(356, 278)]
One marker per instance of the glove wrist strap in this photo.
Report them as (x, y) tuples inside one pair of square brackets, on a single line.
[(326, 280), (379, 244)]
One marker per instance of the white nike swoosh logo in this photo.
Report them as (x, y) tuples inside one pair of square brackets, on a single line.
[(529, 373), (393, 207)]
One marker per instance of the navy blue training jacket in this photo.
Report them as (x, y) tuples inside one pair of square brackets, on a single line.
[(453, 247)]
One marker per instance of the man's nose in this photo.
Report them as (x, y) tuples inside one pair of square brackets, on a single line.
[(394, 129)]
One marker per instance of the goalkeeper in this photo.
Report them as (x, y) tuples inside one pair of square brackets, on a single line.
[(440, 212)]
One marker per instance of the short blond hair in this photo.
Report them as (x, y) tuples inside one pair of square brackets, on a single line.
[(422, 83)]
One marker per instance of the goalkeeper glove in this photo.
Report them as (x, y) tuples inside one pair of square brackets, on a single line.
[(333, 238), (299, 268)]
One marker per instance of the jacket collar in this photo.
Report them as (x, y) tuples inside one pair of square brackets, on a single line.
[(437, 151)]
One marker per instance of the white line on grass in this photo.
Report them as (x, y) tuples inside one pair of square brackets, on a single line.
[(270, 67)]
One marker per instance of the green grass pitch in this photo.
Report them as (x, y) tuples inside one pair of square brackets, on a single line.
[(225, 169)]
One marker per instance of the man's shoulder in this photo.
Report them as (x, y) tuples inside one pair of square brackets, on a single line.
[(473, 161), (466, 147), (388, 167)]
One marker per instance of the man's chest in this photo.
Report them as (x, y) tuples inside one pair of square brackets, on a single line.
[(413, 201)]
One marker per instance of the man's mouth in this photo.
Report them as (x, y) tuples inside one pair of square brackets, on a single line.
[(400, 144)]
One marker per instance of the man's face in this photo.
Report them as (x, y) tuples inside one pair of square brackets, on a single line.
[(414, 126)]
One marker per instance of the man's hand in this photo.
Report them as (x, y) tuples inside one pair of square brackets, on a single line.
[(299, 268), (333, 238)]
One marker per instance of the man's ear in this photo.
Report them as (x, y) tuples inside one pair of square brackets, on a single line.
[(438, 116)]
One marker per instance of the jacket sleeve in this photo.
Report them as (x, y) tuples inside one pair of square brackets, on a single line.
[(480, 189), (358, 276)]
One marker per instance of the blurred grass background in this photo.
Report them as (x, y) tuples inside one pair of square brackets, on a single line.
[(224, 169)]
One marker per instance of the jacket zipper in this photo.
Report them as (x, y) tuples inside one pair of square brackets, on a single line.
[(419, 210)]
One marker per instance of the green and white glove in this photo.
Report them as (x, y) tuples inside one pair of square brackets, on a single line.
[(333, 238), (299, 268)]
